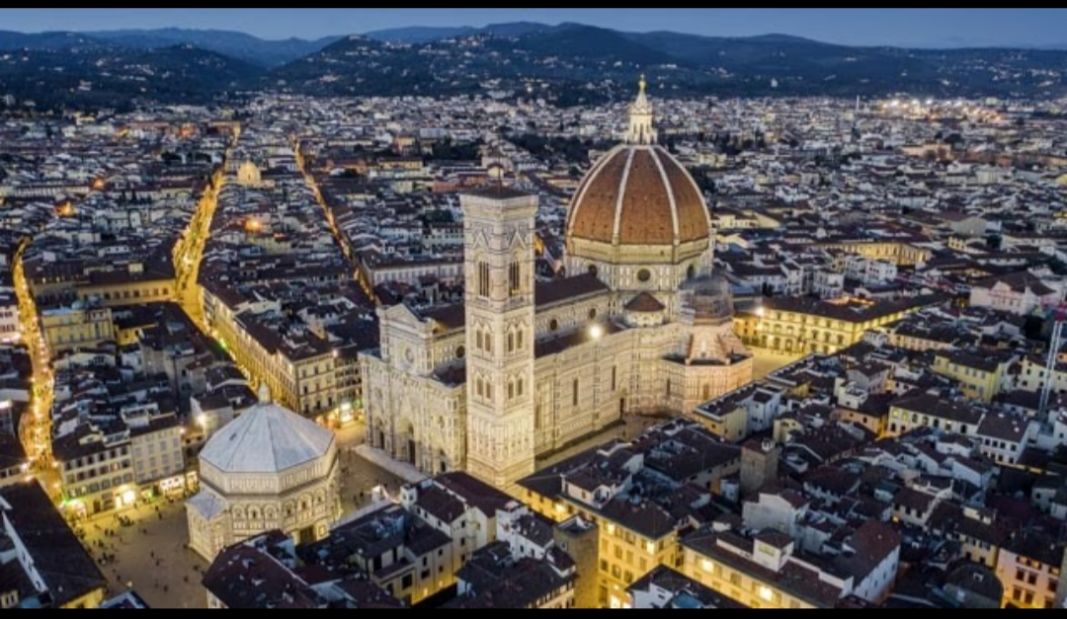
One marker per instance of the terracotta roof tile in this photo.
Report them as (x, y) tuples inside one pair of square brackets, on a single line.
[(657, 191)]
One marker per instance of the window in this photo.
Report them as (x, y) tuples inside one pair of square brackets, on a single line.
[(574, 393), (461, 352), (553, 325), (511, 342), (483, 279), (514, 286), (613, 378), (592, 270), (592, 313), (644, 275), (518, 339)]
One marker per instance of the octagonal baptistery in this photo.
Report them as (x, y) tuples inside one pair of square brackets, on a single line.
[(269, 468), (638, 219)]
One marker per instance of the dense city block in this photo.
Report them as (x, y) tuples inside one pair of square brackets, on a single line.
[(441, 347)]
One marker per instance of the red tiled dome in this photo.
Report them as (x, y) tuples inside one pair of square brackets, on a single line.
[(638, 195)]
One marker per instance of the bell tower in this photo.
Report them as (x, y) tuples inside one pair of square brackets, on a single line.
[(498, 270)]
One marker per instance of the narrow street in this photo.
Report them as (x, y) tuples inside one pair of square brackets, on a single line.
[(36, 430), (346, 249), (191, 248), (327, 213)]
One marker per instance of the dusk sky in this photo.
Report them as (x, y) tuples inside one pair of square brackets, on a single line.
[(905, 27)]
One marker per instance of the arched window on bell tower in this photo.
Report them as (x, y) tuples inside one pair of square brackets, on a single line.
[(514, 279), (483, 279)]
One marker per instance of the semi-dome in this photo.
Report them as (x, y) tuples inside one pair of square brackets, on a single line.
[(708, 297), (267, 438), (638, 193)]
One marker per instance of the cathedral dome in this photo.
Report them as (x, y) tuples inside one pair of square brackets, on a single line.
[(638, 194)]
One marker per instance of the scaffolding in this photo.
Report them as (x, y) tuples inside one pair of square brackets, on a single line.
[(1054, 343)]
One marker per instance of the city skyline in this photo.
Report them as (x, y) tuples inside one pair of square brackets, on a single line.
[(924, 28), (550, 317)]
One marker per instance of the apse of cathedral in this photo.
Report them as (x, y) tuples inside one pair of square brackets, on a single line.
[(641, 323)]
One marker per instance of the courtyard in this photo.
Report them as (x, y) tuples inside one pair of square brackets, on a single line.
[(148, 556), (765, 361)]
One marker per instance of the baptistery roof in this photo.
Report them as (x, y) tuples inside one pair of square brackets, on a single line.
[(267, 438)]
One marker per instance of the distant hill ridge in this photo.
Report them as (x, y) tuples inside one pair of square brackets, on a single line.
[(568, 63)]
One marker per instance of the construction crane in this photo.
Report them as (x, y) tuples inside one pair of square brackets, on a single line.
[(1055, 341)]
